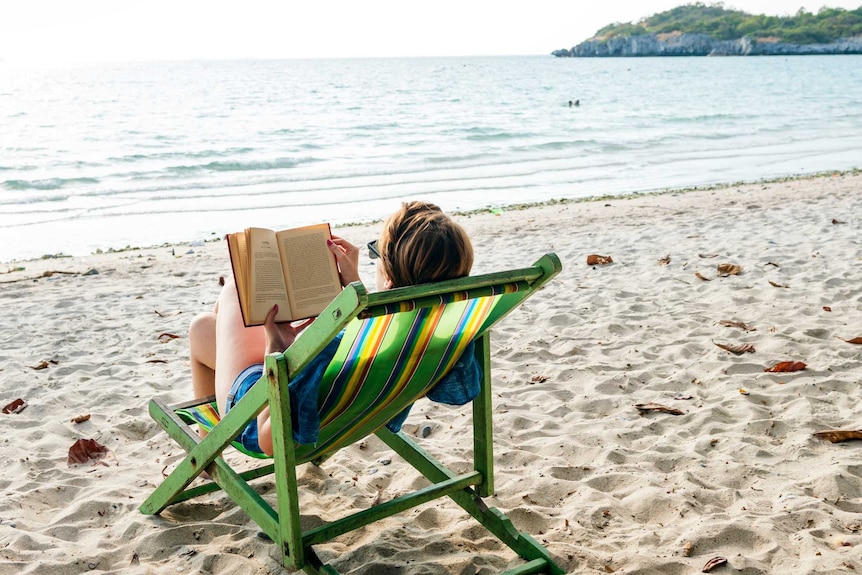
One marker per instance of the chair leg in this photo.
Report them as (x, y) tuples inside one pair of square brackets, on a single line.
[(483, 427), (492, 519), (289, 533)]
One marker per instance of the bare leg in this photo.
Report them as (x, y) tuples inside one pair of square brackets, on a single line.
[(202, 349), (238, 346)]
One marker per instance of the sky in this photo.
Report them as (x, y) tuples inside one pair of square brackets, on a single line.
[(111, 30)]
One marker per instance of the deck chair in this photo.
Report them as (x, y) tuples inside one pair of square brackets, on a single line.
[(396, 345)]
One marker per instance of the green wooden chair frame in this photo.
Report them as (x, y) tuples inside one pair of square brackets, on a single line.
[(282, 523)]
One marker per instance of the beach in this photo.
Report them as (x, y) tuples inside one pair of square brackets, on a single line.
[(607, 488)]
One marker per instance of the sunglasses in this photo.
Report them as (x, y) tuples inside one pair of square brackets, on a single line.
[(372, 250)]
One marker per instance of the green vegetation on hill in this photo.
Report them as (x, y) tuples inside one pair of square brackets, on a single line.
[(827, 25)]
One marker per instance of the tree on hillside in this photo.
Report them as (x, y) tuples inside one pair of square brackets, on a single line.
[(828, 25)]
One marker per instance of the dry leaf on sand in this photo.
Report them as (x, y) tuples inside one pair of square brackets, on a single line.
[(856, 340), (595, 259), (84, 450), (700, 276), (739, 324), (838, 435), (171, 314), (725, 270), (664, 261), (713, 563), (778, 285), (738, 349), (786, 366), (16, 406), (647, 407)]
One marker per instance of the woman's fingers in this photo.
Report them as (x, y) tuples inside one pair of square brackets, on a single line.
[(347, 257), (279, 336), (270, 316)]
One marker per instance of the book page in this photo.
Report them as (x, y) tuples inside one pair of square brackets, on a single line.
[(311, 273), (266, 279)]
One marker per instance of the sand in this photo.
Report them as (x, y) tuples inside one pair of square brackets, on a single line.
[(606, 488)]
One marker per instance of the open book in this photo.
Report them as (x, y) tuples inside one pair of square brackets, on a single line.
[(292, 268)]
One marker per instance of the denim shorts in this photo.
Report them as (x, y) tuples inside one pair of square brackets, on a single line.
[(243, 382)]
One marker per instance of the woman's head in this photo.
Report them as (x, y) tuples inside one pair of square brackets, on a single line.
[(420, 244)]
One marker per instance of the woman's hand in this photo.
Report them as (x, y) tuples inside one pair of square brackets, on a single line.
[(347, 256), (279, 336)]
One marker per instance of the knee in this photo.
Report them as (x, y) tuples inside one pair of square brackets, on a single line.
[(202, 329)]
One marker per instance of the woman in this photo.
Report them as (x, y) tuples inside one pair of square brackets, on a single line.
[(419, 244)]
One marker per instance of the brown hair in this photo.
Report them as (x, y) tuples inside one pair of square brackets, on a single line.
[(420, 244)]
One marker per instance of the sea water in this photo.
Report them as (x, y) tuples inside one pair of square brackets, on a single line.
[(104, 156)]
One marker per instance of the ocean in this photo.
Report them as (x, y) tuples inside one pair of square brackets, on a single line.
[(105, 156)]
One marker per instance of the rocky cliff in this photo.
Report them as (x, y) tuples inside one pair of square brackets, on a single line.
[(702, 45)]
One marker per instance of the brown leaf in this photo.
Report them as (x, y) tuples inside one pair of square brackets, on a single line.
[(773, 284), (772, 264), (700, 276), (786, 366), (594, 259), (827, 308), (713, 563), (739, 324), (157, 361), (838, 435), (81, 418), (736, 349), (664, 261), (708, 256), (726, 269), (16, 406), (834, 221), (163, 337), (84, 450), (651, 406), (44, 364), (856, 340), (221, 280), (172, 314), (538, 379)]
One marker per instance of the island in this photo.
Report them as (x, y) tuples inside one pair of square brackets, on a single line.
[(712, 30)]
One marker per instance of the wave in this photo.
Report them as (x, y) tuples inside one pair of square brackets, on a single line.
[(375, 127), (189, 154), (497, 135), (485, 133), (558, 145), (250, 166), (698, 118), (46, 184), (282, 132), (455, 159)]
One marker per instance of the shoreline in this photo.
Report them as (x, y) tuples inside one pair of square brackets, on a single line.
[(510, 207), (739, 474)]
